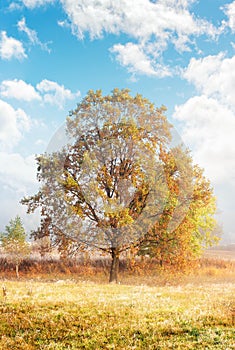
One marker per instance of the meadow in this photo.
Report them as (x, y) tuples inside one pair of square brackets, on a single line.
[(194, 311)]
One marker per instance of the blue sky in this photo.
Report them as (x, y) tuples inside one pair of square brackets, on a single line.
[(180, 53)]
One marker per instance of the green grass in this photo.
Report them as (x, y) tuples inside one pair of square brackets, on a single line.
[(85, 315)]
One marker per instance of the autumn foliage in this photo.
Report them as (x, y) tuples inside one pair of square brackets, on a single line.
[(120, 184)]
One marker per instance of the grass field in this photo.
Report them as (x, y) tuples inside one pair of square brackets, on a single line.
[(70, 314)]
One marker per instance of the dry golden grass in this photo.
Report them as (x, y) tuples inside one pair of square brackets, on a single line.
[(84, 315), (152, 308)]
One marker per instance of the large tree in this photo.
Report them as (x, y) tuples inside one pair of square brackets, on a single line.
[(108, 186)]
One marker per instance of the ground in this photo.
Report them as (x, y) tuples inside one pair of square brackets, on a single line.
[(147, 310), (83, 315)]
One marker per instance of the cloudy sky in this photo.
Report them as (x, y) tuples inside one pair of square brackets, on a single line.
[(180, 53)]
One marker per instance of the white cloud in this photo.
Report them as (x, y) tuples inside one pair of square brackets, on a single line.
[(54, 93), (209, 119), (208, 129), (19, 90), (179, 3), (32, 34), (16, 172), (153, 25), (13, 123), (182, 43), (63, 24), (143, 20), (229, 9), (134, 58), (11, 48), (46, 91), (214, 76), (36, 3), (14, 6)]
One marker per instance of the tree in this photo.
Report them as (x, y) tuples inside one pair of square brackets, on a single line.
[(182, 243), (108, 187), (14, 243)]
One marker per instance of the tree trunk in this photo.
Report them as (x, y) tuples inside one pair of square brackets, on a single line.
[(17, 270), (113, 277)]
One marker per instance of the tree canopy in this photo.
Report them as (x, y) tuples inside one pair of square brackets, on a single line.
[(118, 180), (181, 243)]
